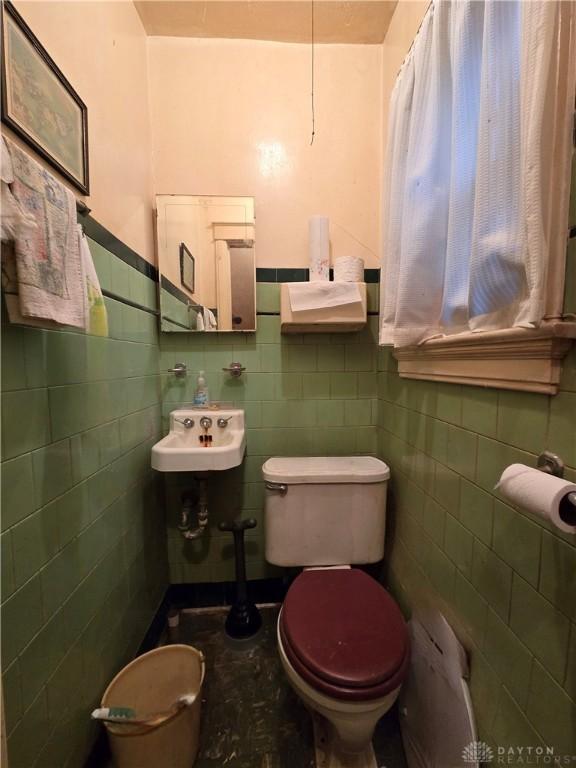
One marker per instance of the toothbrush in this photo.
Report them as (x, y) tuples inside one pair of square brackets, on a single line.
[(129, 716)]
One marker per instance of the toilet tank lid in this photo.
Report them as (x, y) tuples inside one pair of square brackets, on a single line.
[(325, 469)]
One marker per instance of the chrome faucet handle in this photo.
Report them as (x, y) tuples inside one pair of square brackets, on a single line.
[(223, 421), (205, 422), (188, 423), (179, 370), (235, 370)]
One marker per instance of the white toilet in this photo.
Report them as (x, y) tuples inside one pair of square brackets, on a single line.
[(342, 639)]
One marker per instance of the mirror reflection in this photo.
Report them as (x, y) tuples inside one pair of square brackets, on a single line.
[(206, 263)]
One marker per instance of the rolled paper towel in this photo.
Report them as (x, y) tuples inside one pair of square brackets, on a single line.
[(540, 493), (349, 269), (319, 247)]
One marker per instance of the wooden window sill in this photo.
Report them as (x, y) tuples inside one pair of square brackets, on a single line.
[(519, 358)]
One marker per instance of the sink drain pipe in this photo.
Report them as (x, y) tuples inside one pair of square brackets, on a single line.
[(189, 502)]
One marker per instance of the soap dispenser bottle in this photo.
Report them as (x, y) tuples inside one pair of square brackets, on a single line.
[(201, 393)]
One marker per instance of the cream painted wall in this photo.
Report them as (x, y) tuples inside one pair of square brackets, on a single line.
[(101, 48), (233, 118)]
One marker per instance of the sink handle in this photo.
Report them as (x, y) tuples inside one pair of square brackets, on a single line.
[(188, 423)]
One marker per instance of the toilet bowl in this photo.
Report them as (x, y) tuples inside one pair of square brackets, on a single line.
[(343, 644), (342, 640)]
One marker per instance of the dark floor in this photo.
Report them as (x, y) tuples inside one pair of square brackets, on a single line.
[(251, 718)]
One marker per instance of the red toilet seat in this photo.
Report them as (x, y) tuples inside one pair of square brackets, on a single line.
[(344, 634)]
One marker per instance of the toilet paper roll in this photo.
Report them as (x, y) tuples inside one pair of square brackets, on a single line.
[(540, 493), (319, 247), (349, 269)]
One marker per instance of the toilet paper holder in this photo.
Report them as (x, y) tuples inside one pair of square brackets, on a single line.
[(552, 464)]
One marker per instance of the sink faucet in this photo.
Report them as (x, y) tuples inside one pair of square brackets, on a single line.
[(206, 422)]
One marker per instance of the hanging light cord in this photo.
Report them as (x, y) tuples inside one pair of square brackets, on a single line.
[(312, 73)]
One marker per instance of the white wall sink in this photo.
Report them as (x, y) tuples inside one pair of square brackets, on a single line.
[(183, 450)]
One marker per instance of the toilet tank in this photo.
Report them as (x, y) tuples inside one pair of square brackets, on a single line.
[(325, 510)]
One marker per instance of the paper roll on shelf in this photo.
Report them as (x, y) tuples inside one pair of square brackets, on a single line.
[(349, 269), (319, 247), (545, 495)]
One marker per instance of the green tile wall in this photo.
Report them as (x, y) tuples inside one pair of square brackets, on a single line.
[(311, 394), (505, 579), (176, 316), (83, 533)]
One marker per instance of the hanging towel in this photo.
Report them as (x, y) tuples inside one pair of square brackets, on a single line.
[(320, 295), (13, 219), (45, 279), (13, 225), (210, 322), (95, 315)]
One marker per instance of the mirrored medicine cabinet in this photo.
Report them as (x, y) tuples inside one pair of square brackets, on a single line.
[(206, 263)]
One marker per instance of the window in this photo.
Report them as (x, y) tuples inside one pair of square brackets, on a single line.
[(476, 195)]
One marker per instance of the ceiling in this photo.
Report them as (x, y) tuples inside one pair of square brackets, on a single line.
[(354, 21)]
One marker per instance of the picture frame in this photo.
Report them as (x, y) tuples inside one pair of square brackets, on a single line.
[(39, 104), (187, 268)]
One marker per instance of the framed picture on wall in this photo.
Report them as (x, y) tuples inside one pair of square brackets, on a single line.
[(39, 104), (186, 268)]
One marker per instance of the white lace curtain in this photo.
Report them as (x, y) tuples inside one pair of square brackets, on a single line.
[(468, 180)]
